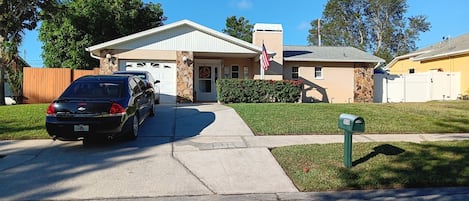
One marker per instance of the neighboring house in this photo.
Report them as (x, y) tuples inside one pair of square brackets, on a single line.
[(450, 56), (188, 58), (331, 74)]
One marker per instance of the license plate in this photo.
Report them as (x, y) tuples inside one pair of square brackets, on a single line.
[(81, 128)]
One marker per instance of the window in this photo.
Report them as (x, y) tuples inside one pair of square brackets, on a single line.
[(246, 72), (318, 72), (294, 72), (226, 72), (234, 71), (411, 70)]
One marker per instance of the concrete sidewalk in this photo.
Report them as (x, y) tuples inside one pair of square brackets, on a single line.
[(187, 152)]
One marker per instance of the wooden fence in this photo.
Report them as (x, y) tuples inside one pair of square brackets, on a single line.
[(42, 85)]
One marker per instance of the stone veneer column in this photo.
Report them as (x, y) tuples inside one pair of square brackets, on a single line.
[(108, 66), (185, 77), (364, 83)]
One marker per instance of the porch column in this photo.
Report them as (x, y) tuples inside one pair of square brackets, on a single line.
[(108, 65), (185, 77)]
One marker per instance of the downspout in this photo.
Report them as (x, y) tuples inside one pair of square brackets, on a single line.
[(378, 64)]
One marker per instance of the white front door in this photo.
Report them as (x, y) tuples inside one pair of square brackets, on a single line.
[(206, 75)]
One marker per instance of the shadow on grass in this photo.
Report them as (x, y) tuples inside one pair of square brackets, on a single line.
[(460, 125), (9, 126), (412, 166), (386, 149)]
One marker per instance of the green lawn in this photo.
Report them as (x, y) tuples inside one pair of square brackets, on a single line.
[(376, 165), (23, 122), (288, 118)]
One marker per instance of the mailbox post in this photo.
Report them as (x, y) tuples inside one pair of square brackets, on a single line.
[(350, 124)]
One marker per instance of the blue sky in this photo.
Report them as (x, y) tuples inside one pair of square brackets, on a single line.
[(448, 18)]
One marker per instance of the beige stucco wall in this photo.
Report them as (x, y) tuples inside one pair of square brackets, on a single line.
[(241, 62), (336, 86), (273, 41), (145, 55), (449, 64)]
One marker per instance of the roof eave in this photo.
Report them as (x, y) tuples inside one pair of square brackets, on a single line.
[(443, 55), (405, 56)]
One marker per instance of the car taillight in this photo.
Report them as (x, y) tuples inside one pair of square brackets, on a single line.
[(116, 109), (51, 109)]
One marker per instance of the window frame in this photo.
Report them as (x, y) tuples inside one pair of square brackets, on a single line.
[(235, 72), (321, 71), (297, 73)]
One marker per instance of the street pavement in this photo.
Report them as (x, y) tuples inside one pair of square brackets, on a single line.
[(185, 152)]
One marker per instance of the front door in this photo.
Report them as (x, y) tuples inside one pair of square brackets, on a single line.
[(206, 75)]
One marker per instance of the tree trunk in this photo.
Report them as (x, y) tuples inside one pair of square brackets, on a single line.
[(2, 84)]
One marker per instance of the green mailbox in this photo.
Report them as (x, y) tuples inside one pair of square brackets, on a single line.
[(350, 124)]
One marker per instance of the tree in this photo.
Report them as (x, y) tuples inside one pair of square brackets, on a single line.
[(83, 23), (377, 26), (15, 16), (239, 28)]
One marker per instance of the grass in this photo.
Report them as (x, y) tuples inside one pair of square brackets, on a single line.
[(376, 165), (23, 122), (400, 118)]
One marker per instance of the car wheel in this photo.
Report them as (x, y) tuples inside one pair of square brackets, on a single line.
[(157, 101), (133, 134)]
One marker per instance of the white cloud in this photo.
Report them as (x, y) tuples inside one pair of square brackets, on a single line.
[(243, 4), (303, 26)]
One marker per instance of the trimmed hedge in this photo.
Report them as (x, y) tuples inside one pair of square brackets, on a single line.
[(258, 91)]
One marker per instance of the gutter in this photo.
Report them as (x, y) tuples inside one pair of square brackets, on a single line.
[(92, 55)]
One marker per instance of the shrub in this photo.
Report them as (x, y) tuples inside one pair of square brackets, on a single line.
[(258, 91)]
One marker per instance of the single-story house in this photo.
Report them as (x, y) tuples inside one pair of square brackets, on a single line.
[(188, 58), (450, 55)]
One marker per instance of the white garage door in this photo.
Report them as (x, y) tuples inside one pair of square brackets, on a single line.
[(163, 71)]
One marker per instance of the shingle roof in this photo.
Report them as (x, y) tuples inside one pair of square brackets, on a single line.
[(450, 47), (327, 54), (445, 48)]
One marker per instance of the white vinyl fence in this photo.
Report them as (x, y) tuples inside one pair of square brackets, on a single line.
[(418, 87)]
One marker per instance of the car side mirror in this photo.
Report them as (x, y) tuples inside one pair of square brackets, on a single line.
[(157, 81), (148, 85)]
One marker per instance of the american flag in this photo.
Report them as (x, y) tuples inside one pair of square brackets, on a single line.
[(265, 58)]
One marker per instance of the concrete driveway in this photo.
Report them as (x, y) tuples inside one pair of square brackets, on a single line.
[(184, 150)]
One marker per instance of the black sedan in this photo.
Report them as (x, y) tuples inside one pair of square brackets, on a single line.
[(100, 106), (146, 76)]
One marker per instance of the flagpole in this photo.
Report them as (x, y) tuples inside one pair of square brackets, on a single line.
[(262, 63), (262, 68)]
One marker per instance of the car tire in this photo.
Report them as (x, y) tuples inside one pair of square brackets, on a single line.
[(133, 134), (157, 100)]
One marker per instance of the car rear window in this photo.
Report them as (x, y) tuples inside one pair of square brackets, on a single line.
[(94, 90)]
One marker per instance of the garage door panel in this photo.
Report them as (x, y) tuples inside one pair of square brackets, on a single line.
[(165, 72)]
